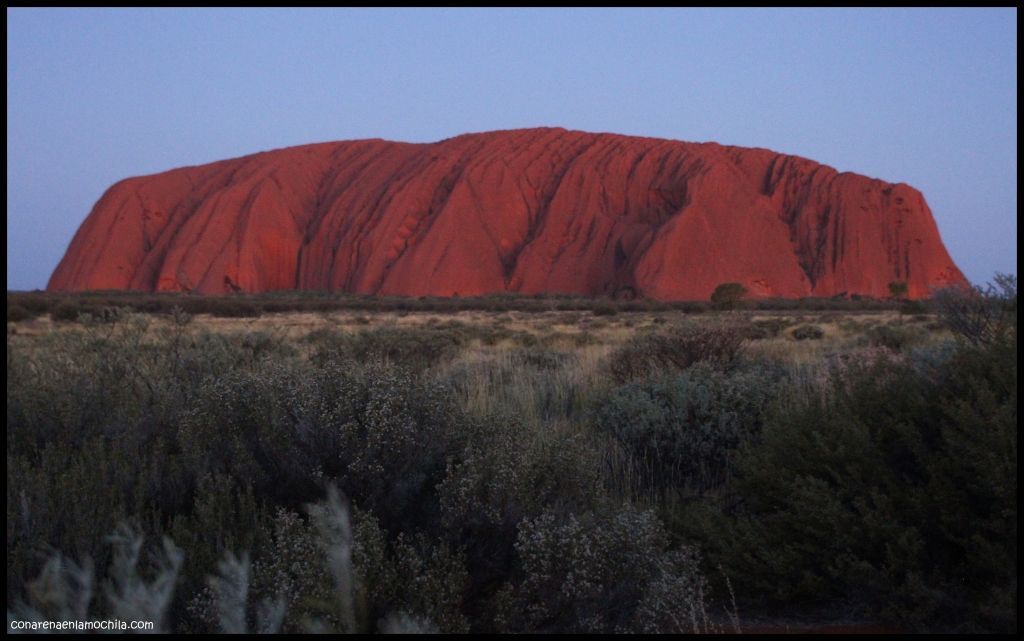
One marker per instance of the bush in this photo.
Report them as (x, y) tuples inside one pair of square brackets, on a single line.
[(225, 307), (323, 575), (727, 295), (913, 307), (981, 316), (895, 337), (340, 572), (38, 303), (108, 315), (808, 332), (895, 491), (415, 348), (500, 477), (65, 312), (682, 431), (380, 432), (534, 384), (767, 328), (675, 349), (601, 573), (605, 308), (898, 289), (93, 417), (17, 314), (196, 434)]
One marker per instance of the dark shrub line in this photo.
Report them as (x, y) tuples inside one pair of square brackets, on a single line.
[(68, 306)]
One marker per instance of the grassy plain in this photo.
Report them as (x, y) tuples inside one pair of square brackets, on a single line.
[(509, 466)]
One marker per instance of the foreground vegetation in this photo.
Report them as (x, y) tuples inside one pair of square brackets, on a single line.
[(527, 470)]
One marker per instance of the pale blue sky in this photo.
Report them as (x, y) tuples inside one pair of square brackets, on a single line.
[(926, 97)]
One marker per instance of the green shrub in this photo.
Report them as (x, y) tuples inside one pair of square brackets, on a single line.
[(980, 315), (601, 573), (808, 332), (65, 312), (533, 383), (675, 349), (727, 295), (767, 328), (113, 422), (93, 417), (415, 348), (281, 429), (411, 574), (38, 303), (895, 491), (108, 314), (17, 314), (499, 478), (895, 337), (226, 307), (340, 573), (915, 308), (898, 289), (682, 431), (320, 575), (605, 308)]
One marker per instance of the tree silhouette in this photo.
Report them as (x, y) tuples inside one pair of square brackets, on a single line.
[(898, 289), (727, 295)]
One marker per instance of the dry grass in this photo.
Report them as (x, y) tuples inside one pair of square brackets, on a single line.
[(560, 330)]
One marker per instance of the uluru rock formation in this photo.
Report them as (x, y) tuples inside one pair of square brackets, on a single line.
[(530, 211)]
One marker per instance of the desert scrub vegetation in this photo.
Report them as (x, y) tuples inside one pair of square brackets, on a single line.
[(676, 348), (682, 431), (893, 491), (605, 573), (253, 305), (498, 471), (417, 347), (808, 332), (879, 492), (219, 441), (537, 384)]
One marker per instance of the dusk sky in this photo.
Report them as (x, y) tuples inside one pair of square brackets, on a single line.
[(926, 97)]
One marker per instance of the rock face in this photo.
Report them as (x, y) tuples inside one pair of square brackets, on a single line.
[(530, 211)]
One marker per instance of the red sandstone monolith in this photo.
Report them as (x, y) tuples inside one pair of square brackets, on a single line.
[(529, 211)]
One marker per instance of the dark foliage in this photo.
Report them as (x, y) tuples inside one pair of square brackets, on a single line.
[(683, 430), (675, 349), (896, 492), (808, 332)]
